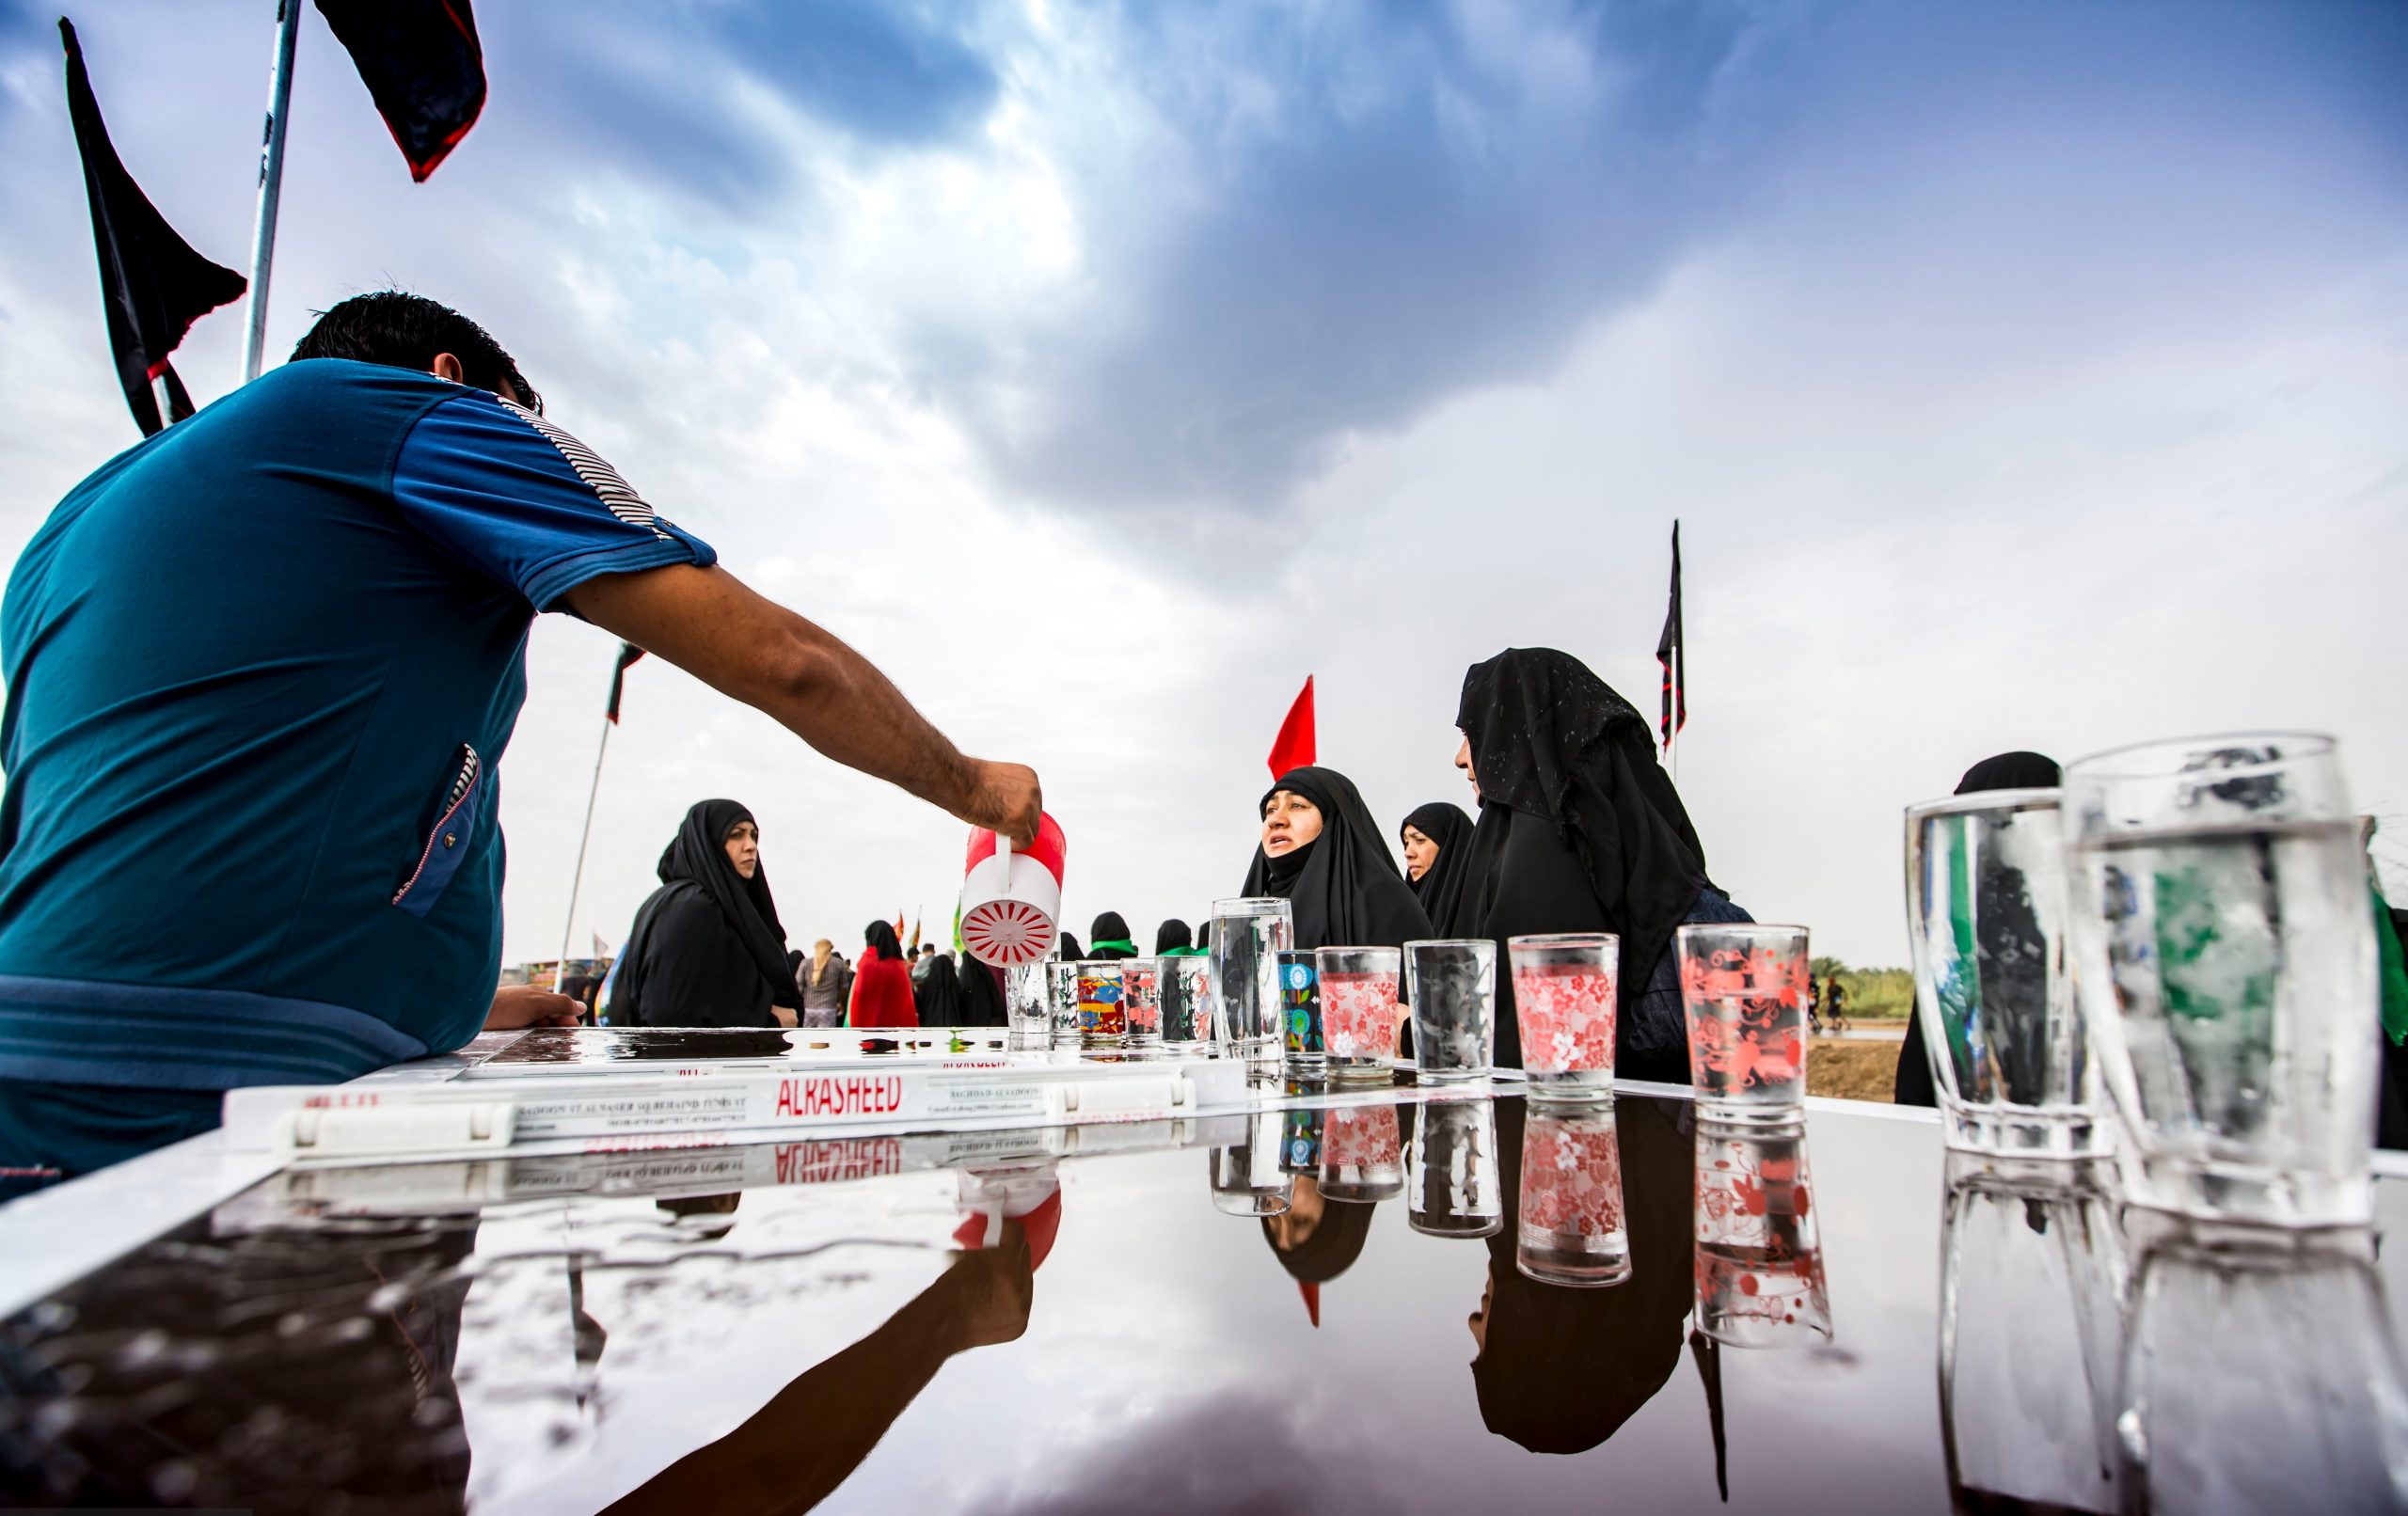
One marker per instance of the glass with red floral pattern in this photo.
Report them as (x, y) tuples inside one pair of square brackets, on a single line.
[(1563, 998), (1360, 993), (1744, 987)]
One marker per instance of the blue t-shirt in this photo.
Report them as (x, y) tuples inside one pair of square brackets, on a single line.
[(261, 670)]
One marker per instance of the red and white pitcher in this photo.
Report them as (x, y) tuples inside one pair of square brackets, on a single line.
[(1012, 899)]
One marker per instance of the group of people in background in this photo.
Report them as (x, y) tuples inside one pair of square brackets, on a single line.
[(1578, 830)]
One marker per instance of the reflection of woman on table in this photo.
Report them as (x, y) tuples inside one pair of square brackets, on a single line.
[(1316, 1239), (793, 1452), (1558, 1370)]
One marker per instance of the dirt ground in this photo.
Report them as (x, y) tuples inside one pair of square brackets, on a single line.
[(1851, 1070)]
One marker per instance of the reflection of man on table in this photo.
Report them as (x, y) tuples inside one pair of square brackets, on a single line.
[(793, 1452)]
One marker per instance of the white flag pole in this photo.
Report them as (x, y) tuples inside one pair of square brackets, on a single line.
[(279, 102), (576, 876)]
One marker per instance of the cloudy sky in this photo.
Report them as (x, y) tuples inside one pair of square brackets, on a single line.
[(2022, 375)]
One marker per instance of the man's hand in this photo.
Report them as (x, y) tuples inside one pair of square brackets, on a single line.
[(524, 1005), (1005, 798), (986, 1292), (708, 623)]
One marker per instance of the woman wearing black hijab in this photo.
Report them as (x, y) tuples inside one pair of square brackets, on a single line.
[(1108, 938), (938, 997), (1580, 830), (1172, 939), (1322, 852), (1442, 832), (982, 992), (2006, 771), (706, 949)]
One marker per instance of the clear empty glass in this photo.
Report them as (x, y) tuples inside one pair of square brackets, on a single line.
[(1456, 1184), (1744, 987), (2223, 950), (2031, 1334), (1246, 1178), (1141, 1003), (1362, 1157), (1759, 1250), (1564, 997), (1103, 1024), (1186, 990), (1247, 933), (1025, 1008), (1299, 1013), (1359, 994), (1454, 1009), (2260, 1373), (1985, 903), (1062, 1001), (1571, 1229)]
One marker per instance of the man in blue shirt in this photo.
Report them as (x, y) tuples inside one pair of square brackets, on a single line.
[(260, 672)]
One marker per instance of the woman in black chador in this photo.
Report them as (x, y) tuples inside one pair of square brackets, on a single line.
[(706, 949), (1322, 852), (1437, 856), (1580, 830)]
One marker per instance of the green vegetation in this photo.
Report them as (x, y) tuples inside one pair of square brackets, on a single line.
[(1872, 994)]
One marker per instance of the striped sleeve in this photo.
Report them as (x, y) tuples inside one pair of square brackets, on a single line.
[(522, 502)]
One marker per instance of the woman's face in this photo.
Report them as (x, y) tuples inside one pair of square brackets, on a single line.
[(1419, 853), (1289, 822), (1462, 761), (744, 849)]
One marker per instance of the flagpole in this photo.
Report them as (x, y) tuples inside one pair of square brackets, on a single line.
[(577, 877), (279, 101)]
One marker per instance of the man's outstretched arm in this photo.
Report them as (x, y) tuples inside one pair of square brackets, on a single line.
[(708, 623)]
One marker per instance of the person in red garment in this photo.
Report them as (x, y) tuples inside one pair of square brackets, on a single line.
[(882, 985)]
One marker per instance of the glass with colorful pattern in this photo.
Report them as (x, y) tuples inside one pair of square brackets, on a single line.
[(1359, 995), (1759, 1250), (1572, 1229), (1563, 996), (1362, 1157), (1141, 1003), (1744, 987)]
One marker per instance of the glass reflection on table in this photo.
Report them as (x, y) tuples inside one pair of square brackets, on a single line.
[(1452, 1177), (1759, 1253)]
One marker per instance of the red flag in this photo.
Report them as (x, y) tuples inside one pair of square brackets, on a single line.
[(1295, 747), (1312, 1302), (628, 653)]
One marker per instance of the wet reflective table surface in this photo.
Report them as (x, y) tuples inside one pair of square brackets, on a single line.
[(1071, 1321)]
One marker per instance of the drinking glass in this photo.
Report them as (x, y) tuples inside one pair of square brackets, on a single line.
[(1141, 1003), (1744, 987), (2223, 952), (1563, 994), (1985, 916), (1456, 1185), (1186, 988), (1025, 1008), (1362, 1158), (1062, 1001), (1572, 1229), (1102, 1023), (1454, 1009), (1246, 1178), (1300, 1014), (1759, 1254), (2031, 1333), (2260, 1372), (1359, 1001), (1246, 935)]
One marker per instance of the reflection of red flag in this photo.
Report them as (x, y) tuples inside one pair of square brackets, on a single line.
[(1295, 747), (1312, 1302)]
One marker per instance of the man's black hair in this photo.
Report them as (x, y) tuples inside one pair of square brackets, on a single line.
[(407, 331)]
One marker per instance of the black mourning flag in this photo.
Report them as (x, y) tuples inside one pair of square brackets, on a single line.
[(1674, 655), (424, 68), (152, 284), (628, 653)]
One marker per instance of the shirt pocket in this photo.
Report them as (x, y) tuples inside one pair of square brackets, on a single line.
[(446, 840)]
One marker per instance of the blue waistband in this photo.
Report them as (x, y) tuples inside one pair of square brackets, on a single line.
[(84, 1031)]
